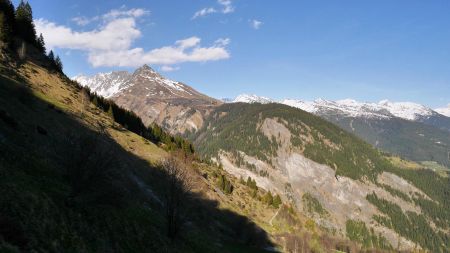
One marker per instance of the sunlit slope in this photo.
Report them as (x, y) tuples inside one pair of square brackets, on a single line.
[(297, 154)]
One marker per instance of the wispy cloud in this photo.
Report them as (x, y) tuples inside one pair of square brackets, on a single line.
[(204, 12), (82, 21), (122, 12), (226, 6), (112, 14), (255, 24), (167, 68), (222, 42), (110, 44)]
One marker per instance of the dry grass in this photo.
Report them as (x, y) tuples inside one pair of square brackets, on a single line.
[(404, 164)]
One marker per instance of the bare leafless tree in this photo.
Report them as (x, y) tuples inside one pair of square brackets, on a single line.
[(177, 186)]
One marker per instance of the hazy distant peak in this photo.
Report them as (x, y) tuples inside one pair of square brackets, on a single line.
[(246, 98), (353, 108)]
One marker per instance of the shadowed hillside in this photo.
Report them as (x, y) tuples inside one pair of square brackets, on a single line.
[(73, 180)]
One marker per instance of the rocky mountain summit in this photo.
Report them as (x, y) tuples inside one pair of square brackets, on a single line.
[(156, 99)]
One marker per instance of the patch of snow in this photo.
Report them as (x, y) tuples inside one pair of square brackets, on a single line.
[(250, 99), (444, 111)]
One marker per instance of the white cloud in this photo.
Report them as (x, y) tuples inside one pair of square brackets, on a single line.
[(222, 42), (227, 6), (105, 38), (81, 21), (187, 43), (167, 68), (112, 14), (122, 12), (203, 12), (111, 43), (256, 24), (182, 51)]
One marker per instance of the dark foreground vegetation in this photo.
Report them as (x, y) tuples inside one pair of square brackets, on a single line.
[(66, 186)]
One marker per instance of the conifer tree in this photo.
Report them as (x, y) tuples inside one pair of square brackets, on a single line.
[(268, 198), (58, 64), (24, 23), (4, 32), (110, 112), (6, 22), (41, 44), (277, 201), (51, 56)]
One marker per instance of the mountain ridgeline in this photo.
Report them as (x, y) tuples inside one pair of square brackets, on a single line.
[(99, 164), (406, 129), (174, 105), (324, 171), (297, 154)]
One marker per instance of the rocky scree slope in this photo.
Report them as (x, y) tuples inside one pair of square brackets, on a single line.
[(303, 157)]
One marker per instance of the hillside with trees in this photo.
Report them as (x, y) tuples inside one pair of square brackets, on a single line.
[(239, 133), (80, 174)]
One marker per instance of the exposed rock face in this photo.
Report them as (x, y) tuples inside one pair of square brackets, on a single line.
[(173, 105), (291, 175)]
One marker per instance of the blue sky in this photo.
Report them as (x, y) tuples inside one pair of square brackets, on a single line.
[(365, 50)]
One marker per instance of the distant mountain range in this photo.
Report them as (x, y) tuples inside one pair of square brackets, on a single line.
[(407, 129), (352, 108)]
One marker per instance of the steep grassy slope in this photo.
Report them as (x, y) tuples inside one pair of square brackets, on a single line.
[(287, 149), (72, 180)]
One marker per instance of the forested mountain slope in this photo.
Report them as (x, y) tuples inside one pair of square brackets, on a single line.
[(412, 140), (304, 157)]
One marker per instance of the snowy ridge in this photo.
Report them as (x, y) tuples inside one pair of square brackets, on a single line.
[(444, 111), (105, 84), (352, 108), (250, 99), (113, 83)]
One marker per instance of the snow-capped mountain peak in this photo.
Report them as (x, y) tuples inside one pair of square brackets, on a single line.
[(113, 83), (351, 108), (105, 84), (250, 99), (406, 110)]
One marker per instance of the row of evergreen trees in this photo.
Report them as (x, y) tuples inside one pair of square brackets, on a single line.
[(17, 31), (133, 123)]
